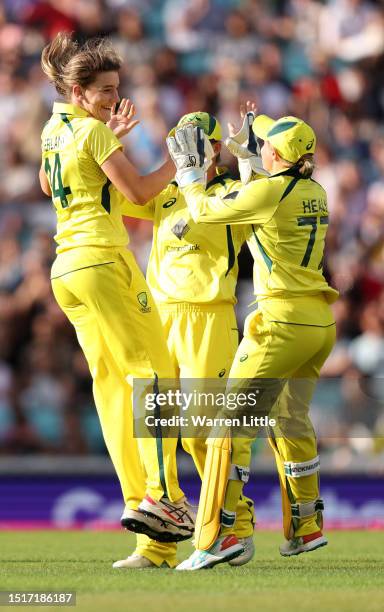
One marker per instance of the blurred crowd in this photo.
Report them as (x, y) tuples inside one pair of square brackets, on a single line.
[(320, 60)]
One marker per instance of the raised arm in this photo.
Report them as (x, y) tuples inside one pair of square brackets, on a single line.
[(121, 172), (145, 211), (254, 203), (136, 188)]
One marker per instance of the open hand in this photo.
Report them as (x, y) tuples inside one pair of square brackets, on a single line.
[(191, 153), (244, 145), (121, 122), (248, 107)]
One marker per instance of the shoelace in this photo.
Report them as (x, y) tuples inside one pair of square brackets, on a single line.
[(177, 511)]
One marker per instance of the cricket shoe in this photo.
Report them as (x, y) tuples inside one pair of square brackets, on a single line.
[(161, 520), (136, 562), (222, 551), (301, 544), (248, 553)]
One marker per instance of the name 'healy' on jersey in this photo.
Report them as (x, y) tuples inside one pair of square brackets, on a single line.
[(287, 236)]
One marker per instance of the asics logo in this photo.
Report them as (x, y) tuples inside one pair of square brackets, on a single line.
[(170, 203), (177, 514)]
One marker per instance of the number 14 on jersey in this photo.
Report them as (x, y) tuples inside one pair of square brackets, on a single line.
[(56, 181)]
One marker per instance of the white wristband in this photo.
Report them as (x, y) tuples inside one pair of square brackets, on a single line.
[(187, 176)]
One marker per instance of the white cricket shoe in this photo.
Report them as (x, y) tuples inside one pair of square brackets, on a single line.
[(135, 562), (222, 551), (161, 520), (302, 544), (247, 555)]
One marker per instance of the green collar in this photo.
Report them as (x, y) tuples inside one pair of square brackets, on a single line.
[(69, 109)]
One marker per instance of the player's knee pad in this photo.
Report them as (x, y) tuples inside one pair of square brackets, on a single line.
[(236, 472), (216, 470), (299, 510), (302, 468), (293, 510), (305, 509), (239, 472)]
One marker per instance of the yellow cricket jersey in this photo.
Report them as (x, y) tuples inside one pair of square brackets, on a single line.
[(288, 218), (74, 146), (190, 262)]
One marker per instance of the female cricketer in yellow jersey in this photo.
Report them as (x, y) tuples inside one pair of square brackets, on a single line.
[(98, 285), (286, 340), (192, 274)]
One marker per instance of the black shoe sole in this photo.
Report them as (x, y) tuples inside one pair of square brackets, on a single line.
[(137, 526)]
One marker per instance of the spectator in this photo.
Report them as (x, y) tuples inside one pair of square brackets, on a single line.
[(321, 60)]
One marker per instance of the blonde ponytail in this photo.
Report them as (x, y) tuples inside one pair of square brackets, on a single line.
[(66, 63), (55, 57), (306, 165)]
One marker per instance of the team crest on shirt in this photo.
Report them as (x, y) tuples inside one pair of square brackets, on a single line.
[(142, 298), (180, 229)]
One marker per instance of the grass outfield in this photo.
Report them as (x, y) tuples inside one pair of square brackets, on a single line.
[(347, 575)]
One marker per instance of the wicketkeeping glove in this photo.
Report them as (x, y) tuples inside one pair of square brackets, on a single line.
[(245, 146), (191, 153)]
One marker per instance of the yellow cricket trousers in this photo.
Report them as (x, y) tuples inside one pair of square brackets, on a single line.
[(120, 332), (292, 352), (202, 341)]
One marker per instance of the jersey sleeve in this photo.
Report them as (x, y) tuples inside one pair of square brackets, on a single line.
[(253, 203), (147, 211), (239, 232), (101, 142)]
